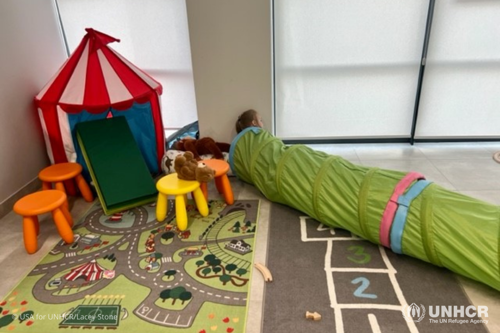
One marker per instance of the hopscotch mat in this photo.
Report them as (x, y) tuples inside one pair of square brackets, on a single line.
[(354, 285)]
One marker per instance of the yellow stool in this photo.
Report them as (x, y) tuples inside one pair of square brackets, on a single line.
[(32, 205), (221, 180), (172, 185), (58, 173)]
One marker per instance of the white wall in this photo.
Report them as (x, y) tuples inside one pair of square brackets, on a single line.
[(32, 51), (231, 52)]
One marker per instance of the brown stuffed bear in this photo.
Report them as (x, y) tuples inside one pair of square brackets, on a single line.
[(204, 173), (188, 168), (202, 146)]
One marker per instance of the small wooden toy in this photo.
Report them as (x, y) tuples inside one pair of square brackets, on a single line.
[(313, 315), (265, 272)]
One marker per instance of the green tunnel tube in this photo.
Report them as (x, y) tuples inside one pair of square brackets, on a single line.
[(431, 223)]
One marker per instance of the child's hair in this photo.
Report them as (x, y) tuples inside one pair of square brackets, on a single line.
[(245, 120)]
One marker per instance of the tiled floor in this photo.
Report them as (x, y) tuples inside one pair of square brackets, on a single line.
[(466, 168)]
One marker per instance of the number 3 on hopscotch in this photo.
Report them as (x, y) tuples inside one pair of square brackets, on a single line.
[(359, 251), (359, 292)]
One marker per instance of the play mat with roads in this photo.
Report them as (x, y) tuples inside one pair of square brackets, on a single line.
[(127, 271)]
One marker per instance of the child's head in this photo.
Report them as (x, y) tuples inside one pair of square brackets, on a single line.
[(247, 119)]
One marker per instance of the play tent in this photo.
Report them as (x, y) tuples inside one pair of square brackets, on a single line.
[(94, 83), (91, 271)]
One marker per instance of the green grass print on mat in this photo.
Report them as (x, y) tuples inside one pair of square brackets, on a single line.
[(133, 273)]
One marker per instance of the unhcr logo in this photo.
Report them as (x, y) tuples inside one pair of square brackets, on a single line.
[(413, 312), (457, 314)]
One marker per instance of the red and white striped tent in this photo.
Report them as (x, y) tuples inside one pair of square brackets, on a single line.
[(91, 271), (96, 79)]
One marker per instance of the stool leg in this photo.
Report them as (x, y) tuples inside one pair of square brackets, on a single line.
[(62, 226), (218, 184), (227, 191), (201, 202), (29, 233), (84, 188), (67, 215), (204, 189), (37, 225), (161, 207), (46, 186), (180, 212), (70, 187), (60, 186)]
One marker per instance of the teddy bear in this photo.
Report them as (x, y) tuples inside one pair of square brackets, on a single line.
[(202, 146), (188, 168), (204, 173)]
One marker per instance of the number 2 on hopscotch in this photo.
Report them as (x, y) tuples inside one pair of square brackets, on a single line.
[(365, 283)]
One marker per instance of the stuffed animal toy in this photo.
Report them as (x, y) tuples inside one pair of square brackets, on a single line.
[(204, 173), (188, 168), (202, 146)]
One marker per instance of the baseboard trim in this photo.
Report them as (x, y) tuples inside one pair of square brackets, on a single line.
[(7, 204)]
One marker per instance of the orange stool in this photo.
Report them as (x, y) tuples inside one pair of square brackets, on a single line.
[(39, 203), (58, 173), (221, 180)]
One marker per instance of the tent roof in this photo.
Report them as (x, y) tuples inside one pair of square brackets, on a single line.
[(96, 77)]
